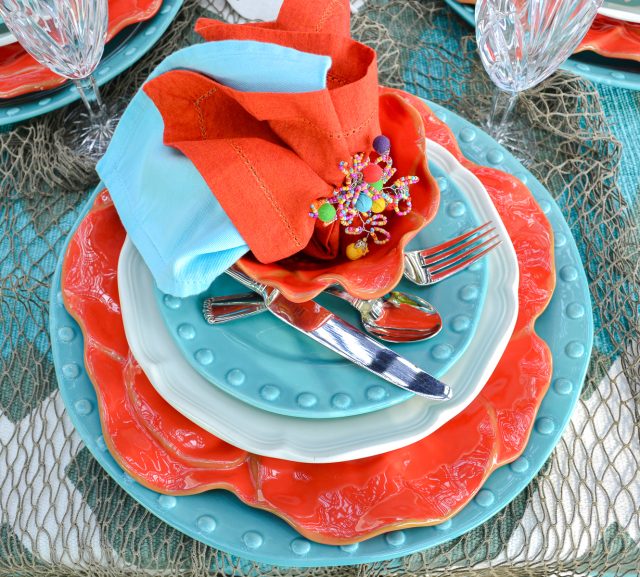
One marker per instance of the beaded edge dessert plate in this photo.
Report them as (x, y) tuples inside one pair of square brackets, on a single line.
[(222, 521), (292, 375), (132, 44), (595, 67), (312, 440)]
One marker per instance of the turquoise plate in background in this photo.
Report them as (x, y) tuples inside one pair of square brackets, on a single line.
[(220, 520), (310, 380), (610, 71), (122, 52)]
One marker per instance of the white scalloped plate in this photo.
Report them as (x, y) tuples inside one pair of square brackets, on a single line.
[(327, 440), (627, 10)]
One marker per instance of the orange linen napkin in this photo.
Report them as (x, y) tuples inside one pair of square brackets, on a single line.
[(268, 156)]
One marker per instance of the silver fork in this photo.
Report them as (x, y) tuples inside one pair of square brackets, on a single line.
[(432, 265)]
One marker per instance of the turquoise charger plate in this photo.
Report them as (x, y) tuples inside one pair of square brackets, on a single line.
[(308, 380), (122, 52), (220, 520), (610, 71)]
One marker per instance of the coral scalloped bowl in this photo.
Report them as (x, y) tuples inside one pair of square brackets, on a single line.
[(301, 277)]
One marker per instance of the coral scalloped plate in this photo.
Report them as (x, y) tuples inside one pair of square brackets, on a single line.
[(301, 278), (422, 484), (21, 74), (613, 39)]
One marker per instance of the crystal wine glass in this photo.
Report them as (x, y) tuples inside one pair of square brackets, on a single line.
[(522, 42), (68, 36)]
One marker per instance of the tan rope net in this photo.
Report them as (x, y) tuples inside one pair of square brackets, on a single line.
[(60, 514)]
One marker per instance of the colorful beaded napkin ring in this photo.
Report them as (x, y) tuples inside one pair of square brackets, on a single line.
[(359, 203)]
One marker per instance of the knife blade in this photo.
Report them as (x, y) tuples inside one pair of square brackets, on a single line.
[(336, 334)]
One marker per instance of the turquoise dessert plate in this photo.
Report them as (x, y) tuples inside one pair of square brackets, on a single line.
[(310, 380)]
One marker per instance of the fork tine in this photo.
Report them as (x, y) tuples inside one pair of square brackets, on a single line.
[(432, 251), (461, 257), (444, 273), (458, 248)]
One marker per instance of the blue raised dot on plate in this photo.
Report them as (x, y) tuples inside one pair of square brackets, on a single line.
[(186, 331), (562, 386), (467, 135), (460, 323), (522, 177), (83, 407), (456, 209), (300, 546), (352, 548), (167, 501), (568, 273), (71, 371), (165, 9), (574, 349), (485, 498), (341, 400), (306, 400), (475, 266), (443, 183), (44, 101), (206, 523), (495, 156), (469, 292), (12, 111), (204, 356), (253, 539), (445, 525), (575, 310), (130, 51), (396, 538), (101, 444), (441, 352), (60, 299), (618, 75), (545, 206), (269, 392), (150, 31), (172, 302), (520, 465), (235, 377), (376, 393), (442, 114), (559, 239), (583, 67), (128, 479), (66, 334), (104, 70), (545, 426)]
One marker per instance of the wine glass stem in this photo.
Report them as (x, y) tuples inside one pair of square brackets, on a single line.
[(502, 108), (90, 95)]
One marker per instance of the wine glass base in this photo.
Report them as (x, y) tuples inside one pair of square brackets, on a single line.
[(88, 134)]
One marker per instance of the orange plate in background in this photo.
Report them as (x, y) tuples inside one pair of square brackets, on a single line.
[(421, 484), (20, 74)]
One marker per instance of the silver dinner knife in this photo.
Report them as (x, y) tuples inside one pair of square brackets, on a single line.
[(330, 330)]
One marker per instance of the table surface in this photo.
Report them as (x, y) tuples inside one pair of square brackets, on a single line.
[(61, 514)]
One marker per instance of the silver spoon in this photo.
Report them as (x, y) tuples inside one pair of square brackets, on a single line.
[(396, 317)]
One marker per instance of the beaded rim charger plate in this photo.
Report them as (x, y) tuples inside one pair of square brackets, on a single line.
[(222, 521)]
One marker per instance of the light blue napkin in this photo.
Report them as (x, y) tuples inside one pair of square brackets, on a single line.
[(168, 211)]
